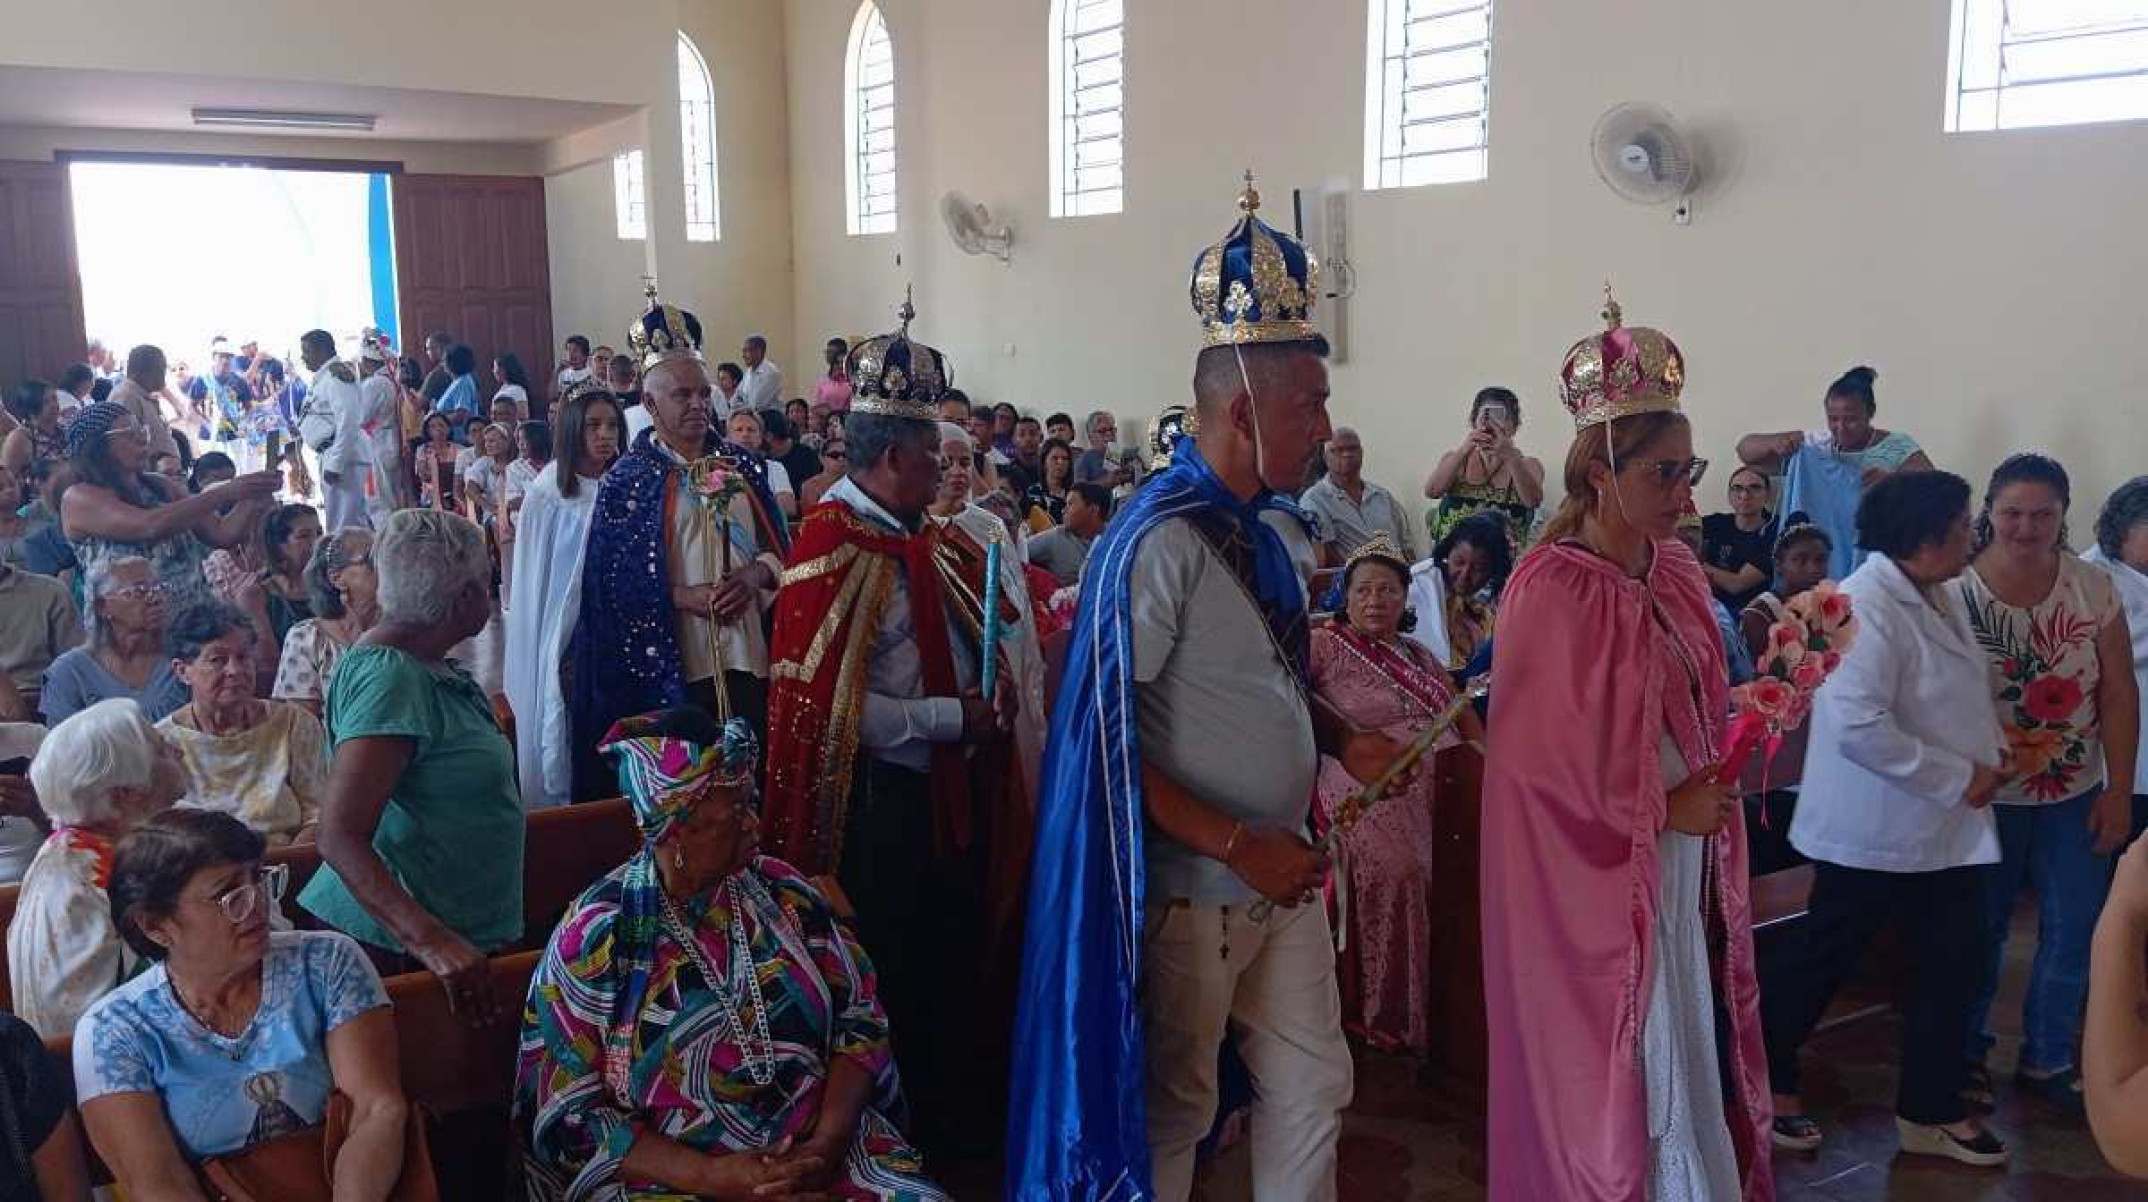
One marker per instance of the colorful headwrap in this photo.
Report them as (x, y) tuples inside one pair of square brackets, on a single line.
[(665, 775), (91, 425)]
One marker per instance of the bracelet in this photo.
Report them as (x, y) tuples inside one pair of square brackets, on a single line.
[(1238, 830)]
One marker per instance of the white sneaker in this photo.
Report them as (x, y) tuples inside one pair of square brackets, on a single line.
[(1920, 1139)]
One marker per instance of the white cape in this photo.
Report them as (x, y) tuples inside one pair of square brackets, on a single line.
[(1428, 600), (551, 539)]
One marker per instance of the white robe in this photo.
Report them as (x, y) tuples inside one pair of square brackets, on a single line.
[(551, 540), (1025, 654), (329, 407)]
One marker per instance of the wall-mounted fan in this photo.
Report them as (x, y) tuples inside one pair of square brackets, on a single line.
[(1642, 153), (974, 230)]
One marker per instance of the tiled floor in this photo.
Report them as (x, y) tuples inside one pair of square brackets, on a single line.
[(1401, 1145)]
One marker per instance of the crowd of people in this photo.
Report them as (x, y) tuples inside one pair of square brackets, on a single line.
[(1007, 793)]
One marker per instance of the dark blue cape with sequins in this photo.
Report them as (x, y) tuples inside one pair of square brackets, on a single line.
[(625, 654)]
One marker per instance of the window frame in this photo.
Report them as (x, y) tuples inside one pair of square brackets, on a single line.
[(1978, 46), (1386, 167), (860, 217), (697, 126), (630, 195), (1068, 199)]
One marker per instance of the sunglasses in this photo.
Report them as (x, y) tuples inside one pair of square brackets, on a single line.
[(1667, 472)]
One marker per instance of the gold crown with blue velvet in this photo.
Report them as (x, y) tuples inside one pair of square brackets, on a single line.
[(896, 376), (664, 333), (1256, 285)]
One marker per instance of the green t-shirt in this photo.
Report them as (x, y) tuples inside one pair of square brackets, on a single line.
[(452, 831)]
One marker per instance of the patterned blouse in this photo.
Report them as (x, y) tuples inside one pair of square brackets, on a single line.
[(309, 655), (625, 1032), (2043, 678)]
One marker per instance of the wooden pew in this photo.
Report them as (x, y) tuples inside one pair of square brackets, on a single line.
[(570, 848)]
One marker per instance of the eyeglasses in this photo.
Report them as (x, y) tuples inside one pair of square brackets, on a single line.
[(1667, 472), (1748, 488), (243, 900), (139, 592)]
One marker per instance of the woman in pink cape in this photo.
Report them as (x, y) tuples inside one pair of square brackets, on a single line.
[(1616, 916)]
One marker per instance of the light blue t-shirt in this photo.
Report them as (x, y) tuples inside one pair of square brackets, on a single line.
[(224, 1095), (76, 681)]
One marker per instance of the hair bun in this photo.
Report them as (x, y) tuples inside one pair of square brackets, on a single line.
[(1862, 375)]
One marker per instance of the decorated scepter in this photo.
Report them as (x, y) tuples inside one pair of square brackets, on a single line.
[(989, 642), (715, 480), (1352, 808)]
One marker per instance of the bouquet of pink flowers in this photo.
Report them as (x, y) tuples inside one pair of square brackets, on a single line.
[(1804, 648)]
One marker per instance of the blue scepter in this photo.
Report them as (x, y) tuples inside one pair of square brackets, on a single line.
[(990, 640)]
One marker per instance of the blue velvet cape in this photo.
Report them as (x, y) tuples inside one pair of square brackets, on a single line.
[(625, 652), (1077, 1119)]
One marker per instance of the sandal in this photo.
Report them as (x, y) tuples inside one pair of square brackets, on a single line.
[(1796, 1133)]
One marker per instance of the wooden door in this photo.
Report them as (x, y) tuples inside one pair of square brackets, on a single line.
[(470, 259), (40, 289)]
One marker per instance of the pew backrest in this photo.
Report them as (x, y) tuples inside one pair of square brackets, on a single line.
[(568, 849), (448, 1065)]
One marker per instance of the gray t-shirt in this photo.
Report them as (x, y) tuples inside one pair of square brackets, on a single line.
[(1061, 552), (1220, 711), (76, 681)]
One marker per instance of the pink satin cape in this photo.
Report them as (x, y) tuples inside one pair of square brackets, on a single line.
[(1588, 675)]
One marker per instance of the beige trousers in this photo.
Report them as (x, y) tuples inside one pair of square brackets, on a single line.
[(1211, 971)]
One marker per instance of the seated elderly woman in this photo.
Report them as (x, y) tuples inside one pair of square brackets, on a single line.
[(43, 1161), (422, 827), (99, 775), (236, 1035), (263, 762), (346, 604), (124, 657), (701, 1024)]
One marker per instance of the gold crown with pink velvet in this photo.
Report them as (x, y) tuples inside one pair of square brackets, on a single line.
[(1620, 372)]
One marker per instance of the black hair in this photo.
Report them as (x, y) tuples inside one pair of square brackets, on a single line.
[(579, 342), (1408, 621), (1026, 419), (956, 394), (1495, 395), (2026, 467), (511, 367), (620, 368), (76, 375), (568, 450), (185, 447), (100, 391), (1856, 384), (1059, 419), (409, 372), (1909, 511), (155, 862), (26, 398), (1003, 405), (201, 624), (460, 360), (1098, 497), (208, 461), (328, 558), (146, 359), (1486, 530), (775, 425), (276, 530), (425, 427), (1802, 532), (538, 434), (872, 435), (321, 340), (758, 342), (736, 372), (2126, 508), (441, 337), (1044, 457)]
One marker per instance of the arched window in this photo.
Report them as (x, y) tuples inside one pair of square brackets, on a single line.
[(1088, 136), (1427, 92), (869, 124), (627, 195), (697, 144)]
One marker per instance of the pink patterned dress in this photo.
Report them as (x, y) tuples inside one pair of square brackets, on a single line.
[(1383, 873)]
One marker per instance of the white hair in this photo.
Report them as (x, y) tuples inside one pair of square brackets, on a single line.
[(1088, 426), (425, 558), (98, 581), (111, 745)]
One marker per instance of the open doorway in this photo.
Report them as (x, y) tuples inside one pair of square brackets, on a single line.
[(191, 255)]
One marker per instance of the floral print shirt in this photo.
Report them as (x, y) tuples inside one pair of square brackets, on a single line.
[(2043, 679)]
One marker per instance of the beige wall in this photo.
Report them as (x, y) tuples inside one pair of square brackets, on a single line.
[(1993, 278), (567, 49), (737, 285)]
